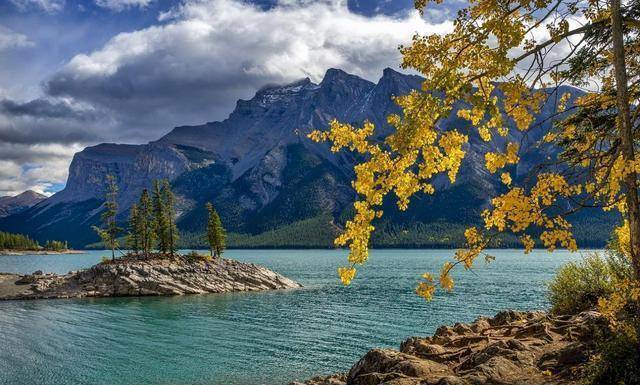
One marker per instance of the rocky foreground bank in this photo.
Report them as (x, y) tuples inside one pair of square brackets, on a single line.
[(145, 277), (511, 348)]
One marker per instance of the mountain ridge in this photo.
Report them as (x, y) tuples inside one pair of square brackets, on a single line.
[(14, 204), (262, 172)]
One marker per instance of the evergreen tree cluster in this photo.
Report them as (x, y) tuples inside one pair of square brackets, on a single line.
[(151, 221), (56, 245), (11, 241)]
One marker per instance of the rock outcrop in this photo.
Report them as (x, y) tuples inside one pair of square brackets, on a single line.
[(146, 277), (511, 348)]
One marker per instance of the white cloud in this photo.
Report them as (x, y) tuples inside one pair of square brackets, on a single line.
[(50, 6), (206, 54), (289, 41), (553, 56), (34, 167), (11, 39), (121, 5)]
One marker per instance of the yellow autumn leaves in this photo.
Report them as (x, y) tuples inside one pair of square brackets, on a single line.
[(346, 274), (496, 161), (390, 168), (464, 72)]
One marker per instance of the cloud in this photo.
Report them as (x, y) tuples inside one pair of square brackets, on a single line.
[(10, 39), (189, 68), (46, 120), (50, 6), (121, 5), (43, 108), (38, 140), (38, 167), (204, 55), (554, 55)]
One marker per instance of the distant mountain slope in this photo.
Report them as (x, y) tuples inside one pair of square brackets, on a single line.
[(14, 204), (263, 174)]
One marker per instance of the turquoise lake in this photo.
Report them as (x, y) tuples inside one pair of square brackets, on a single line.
[(252, 338)]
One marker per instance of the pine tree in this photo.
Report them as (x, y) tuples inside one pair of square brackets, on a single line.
[(145, 223), (172, 231), (216, 234), (160, 218), (109, 232), (133, 238)]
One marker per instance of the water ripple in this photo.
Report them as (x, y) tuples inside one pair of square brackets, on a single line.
[(250, 338)]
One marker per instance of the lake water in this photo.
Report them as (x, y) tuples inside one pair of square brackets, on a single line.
[(252, 338)]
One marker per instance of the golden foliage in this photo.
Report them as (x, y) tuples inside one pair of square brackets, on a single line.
[(469, 67), (346, 274)]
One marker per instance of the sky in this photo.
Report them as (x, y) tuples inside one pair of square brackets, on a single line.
[(77, 73)]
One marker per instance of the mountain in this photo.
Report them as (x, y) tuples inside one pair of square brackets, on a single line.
[(14, 204), (269, 182)]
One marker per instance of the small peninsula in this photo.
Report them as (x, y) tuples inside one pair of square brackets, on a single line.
[(20, 244), (139, 275)]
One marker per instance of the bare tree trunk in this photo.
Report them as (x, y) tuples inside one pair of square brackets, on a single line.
[(171, 245), (626, 133)]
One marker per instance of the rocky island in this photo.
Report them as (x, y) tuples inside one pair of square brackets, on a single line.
[(532, 348), (142, 276)]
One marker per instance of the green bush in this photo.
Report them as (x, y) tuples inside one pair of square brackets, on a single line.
[(616, 362), (578, 285), (194, 256)]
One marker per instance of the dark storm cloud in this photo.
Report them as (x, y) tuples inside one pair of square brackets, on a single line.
[(45, 133), (49, 121), (148, 99), (43, 108)]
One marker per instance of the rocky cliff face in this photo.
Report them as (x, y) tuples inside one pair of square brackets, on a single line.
[(519, 348), (134, 166), (14, 204), (259, 168), (133, 276)]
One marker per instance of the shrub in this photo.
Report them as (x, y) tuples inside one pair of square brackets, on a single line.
[(616, 362), (193, 256), (105, 260), (578, 285), (597, 281)]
